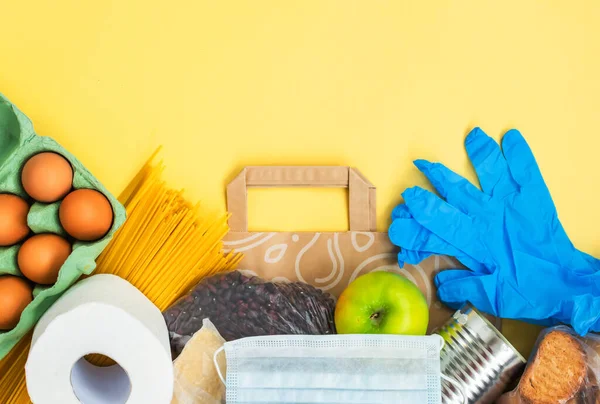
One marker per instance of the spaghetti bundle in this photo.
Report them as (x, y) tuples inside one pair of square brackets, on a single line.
[(164, 248), (166, 245)]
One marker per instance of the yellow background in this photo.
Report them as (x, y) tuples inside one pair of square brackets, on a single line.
[(372, 84)]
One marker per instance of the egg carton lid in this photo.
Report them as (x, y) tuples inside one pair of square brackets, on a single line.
[(15, 130)]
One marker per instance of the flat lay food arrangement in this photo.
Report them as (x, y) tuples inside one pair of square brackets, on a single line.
[(314, 202), (175, 307)]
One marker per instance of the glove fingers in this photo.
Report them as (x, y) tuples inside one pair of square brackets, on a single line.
[(451, 275), (409, 234), (454, 188), (401, 225), (415, 257), (585, 314), (471, 263), (412, 257), (445, 221), (418, 243), (401, 212), (490, 164), (521, 162), (472, 288)]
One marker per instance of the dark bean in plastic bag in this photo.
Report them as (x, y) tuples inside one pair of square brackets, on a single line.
[(245, 306)]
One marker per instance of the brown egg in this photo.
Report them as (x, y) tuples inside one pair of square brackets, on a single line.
[(13, 219), (15, 295), (86, 214), (41, 257), (47, 177)]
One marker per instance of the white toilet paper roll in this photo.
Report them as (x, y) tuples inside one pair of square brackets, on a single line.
[(102, 314)]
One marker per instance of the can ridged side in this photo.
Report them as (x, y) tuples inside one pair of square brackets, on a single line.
[(478, 357)]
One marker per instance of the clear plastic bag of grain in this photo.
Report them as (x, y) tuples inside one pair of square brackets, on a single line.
[(564, 368), (195, 375), (242, 306)]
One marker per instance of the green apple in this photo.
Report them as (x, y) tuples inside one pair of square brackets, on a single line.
[(382, 303)]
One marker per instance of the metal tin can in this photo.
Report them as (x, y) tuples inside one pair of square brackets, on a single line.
[(478, 357)]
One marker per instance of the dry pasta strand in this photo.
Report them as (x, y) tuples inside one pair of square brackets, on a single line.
[(164, 248)]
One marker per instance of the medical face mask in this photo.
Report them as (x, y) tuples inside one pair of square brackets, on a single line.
[(344, 369)]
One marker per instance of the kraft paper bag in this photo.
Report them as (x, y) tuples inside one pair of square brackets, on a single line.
[(326, 260)]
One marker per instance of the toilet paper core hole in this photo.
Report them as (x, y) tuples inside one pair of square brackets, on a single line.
[(99, 360), (100, 385)]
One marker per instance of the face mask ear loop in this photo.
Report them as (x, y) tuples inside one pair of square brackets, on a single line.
[(457, 385), (217, 352), (452, 381)]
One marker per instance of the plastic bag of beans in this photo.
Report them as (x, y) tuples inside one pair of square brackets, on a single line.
[(245, 306)]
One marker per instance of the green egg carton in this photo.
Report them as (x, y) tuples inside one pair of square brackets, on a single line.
[(19, 142)]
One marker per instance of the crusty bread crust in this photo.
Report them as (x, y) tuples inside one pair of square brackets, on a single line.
[(557, 372)]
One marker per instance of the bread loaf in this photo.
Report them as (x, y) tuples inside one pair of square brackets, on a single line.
[(557, 372)]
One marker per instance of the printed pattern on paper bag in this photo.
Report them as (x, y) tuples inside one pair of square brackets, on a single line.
[(331, 261)]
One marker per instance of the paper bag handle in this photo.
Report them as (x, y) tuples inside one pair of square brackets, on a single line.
[(362, 210)]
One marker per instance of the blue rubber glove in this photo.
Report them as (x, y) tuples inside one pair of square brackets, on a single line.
[(522, 263)]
